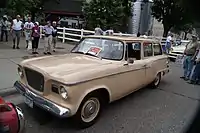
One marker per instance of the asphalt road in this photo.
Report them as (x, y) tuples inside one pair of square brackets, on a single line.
[(168, 109)]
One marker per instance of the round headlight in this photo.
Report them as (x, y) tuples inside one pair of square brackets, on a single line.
[(20, 72), (63, 92)]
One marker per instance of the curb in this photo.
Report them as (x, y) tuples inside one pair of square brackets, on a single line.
[(8, 91)]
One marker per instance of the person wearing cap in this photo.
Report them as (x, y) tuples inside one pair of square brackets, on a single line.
[(4, 27), (54, 34), (35, 37), (190, 54), (48, 30), (195, 78), (28, 26), (16, 28)]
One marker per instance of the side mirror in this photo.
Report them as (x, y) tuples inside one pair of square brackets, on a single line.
[(131, 60)]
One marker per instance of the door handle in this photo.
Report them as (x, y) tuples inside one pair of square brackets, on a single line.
[(144, 65)]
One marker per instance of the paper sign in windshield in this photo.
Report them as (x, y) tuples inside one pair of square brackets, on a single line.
[(94, 50)]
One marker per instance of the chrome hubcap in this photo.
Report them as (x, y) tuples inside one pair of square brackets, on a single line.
[(90, 110), (156, 82)]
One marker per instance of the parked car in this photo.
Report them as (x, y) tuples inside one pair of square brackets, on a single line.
[(11, 118), (98, 71), (178, 49)]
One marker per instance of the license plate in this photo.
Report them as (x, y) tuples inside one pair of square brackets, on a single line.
[(28, 101)]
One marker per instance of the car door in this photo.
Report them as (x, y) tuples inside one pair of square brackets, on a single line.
[(134, 72), (148, 58), (161, 61)]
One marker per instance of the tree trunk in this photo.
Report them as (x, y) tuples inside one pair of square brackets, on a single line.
[(185, 35), (33, 16), (166, 29)]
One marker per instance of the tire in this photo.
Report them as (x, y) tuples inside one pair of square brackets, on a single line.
[(86, 118), (156, 81)]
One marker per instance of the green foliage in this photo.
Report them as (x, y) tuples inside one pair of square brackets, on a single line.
[(170, 13), (106, 13), (26, 6)]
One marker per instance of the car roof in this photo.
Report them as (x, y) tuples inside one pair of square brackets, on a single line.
[(122, 38)]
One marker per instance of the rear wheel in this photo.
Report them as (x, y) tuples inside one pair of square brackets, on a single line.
[(89, 111), (156, 81)]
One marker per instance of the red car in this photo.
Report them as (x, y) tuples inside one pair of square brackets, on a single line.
[(11, 118)]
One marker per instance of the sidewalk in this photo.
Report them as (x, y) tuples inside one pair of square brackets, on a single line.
[(9, 58)]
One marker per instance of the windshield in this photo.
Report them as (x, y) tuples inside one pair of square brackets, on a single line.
[(103, 48)]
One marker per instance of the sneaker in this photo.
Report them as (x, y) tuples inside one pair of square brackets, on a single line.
[(18, 47), (191, 82), (36, 53), (13, 46), (54, 51), (183, 77), (49, 53), (45, 53)]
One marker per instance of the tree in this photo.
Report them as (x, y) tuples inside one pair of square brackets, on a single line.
[(106, 13), (170, 13), (27, 6)]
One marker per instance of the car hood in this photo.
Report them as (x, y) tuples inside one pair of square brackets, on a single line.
[(178, 49), (69, 67)]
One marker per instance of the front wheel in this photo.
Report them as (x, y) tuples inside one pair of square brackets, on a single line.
[(156, 81), (88, 112)]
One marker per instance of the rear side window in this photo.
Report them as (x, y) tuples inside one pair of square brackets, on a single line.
[(148, 50), (157, 49)]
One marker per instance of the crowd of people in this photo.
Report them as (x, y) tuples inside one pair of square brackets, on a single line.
[(32, 33)]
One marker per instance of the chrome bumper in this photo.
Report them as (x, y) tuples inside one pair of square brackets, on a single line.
[(21, 119), (42, 102)]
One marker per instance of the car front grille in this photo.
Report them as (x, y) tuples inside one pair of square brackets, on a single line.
[(35, 79), (177, 53)]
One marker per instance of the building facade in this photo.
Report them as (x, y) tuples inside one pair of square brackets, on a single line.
[(141, 20)]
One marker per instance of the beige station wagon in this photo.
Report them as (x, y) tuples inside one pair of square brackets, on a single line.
[(99, 70)]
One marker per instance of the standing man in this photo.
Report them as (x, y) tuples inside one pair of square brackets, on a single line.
[(190, 55), (4, 28), (195, 79), (28, 26), (48, 30), (168, 43), (98, 30), (16, 29), (54, 34)]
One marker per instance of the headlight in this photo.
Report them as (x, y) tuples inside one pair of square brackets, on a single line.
[(63, 92), (20, 72)]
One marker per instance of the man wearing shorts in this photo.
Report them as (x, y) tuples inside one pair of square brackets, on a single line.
[(28, 26), (16, 29)]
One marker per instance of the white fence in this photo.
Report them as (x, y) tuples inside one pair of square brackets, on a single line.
[(75, 35)]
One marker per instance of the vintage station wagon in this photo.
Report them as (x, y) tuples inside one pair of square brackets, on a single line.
[(99, 70)]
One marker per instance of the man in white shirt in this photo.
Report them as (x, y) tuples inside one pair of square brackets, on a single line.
[(48, 31), (168, 43), (28, 26), (16, 29)]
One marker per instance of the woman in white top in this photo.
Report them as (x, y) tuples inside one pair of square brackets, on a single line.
[(16, 29)]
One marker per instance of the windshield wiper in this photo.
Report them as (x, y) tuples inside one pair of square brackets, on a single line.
[(78, 52), (90, 54)]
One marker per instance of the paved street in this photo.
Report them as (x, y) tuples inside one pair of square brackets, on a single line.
[(168, 109), (9, 59)]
